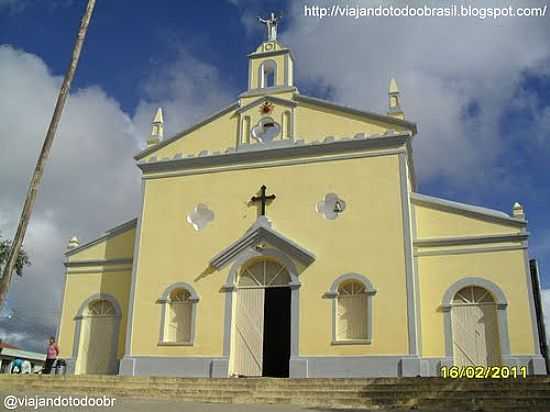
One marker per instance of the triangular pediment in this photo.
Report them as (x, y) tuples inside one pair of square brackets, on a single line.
[(261, 231), (262, 100), (383, 120)]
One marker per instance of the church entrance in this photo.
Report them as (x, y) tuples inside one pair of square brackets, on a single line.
[(475, 328), (261, 328), (97, 340)]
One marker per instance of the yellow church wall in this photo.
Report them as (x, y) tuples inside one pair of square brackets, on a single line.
[(216, 135), (280, 72), (504, 268), (116, 247), (276, 114), (431, 222), (172, 251), (314, 122), (79, 287), (285, 94), (90, 273)]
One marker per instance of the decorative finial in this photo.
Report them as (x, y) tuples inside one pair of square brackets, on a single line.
[(517, 211), (157, 129), (394, 104), (73, 243), (271, 26)]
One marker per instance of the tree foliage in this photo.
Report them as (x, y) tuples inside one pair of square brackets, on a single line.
[(22, 260)]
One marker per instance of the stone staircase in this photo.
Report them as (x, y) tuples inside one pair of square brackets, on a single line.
[(399, 394)]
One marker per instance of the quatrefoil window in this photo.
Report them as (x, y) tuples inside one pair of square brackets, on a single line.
[(266, 130), (331, 206), (200, 217)]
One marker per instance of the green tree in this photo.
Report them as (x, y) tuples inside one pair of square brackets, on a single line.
[(22, 259)]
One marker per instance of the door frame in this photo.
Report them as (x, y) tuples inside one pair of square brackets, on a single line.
[(502, 316), (230, 288), (81, 316)]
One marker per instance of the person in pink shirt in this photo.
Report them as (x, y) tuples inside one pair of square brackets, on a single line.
[(53, 351)]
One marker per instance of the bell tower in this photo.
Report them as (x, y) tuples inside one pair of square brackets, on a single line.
[(271, 66)]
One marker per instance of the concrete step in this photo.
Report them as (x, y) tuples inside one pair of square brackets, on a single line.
[(275, 382), (476, 386), (531, 394), (316, 381), (302, 383)]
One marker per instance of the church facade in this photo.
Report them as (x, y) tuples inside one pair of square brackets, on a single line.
[(283, 236)]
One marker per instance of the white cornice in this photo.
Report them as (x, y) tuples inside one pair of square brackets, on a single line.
[(276, 100), (258, 232), (345, 109), (268, 90), (471, 240), (108, 234), (475, 211), (98, 262), (181, 134), (294, 150), (261, 54)]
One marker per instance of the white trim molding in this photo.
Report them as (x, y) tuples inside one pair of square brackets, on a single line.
[(164, 300), (261, 231), (230, 288), (333, 295), (471, 240), (501, 305), (80, 315), (465, 209), (185, 132), (117, 230), (345, 109)]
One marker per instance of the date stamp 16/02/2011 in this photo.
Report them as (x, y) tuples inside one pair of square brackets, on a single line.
[(483, 372)]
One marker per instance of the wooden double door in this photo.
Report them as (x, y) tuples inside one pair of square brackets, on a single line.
[(262, 323)]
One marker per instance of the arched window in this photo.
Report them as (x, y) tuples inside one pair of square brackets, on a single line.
[(178, 315), (352, 309), (267, 74), (264, 273), (101, 307), (351, 319)]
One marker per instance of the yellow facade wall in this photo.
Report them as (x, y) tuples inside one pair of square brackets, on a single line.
[(367, 239), (432, 222), (98, 276), (78, 288), (255, 115), (216, 135), (504, 268), (116, 247), (280, 72), (314, 122)]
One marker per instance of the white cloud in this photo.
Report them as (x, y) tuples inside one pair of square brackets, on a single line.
[(187, 89), (90, 169), (457, 76), (91, 182)]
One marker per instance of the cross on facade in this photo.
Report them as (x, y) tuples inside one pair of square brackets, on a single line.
[(262, 198)]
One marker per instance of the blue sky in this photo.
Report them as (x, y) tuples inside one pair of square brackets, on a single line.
[(479, 91)]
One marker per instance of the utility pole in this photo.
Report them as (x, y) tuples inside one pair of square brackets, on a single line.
[(41, 162)]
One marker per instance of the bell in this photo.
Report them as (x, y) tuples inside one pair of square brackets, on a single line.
[(338, 207)]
